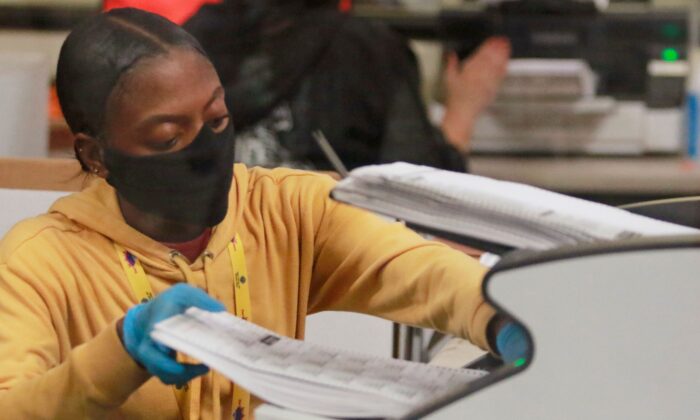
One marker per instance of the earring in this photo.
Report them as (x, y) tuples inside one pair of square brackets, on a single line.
[(95, 171)]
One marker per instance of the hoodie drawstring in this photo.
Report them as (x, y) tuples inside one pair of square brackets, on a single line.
[(207, 260), (195, 386), (179, 260)]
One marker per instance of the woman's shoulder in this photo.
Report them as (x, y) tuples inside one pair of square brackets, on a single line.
[(287, 177), (290, 196), (287, 187), (35, 234)]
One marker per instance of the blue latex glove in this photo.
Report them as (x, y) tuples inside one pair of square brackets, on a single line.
[(156, 358), (512, 342)]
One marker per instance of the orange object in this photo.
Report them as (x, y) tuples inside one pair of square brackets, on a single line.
[(55, 113), (178, 11)]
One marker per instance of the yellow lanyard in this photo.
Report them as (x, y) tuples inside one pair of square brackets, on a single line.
[(143, 292)]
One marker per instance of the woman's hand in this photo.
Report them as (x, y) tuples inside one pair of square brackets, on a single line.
[(512, 342), (508, 339), (139, 322), (470, 87)]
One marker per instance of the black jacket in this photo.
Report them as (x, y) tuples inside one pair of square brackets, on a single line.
[(297, 72)]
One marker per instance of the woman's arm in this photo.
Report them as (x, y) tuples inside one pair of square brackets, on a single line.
[(36, 381), (95, 378), (365, 264)]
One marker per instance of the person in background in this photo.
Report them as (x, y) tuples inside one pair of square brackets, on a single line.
[(291, 67), (295, 66), (164, 225)]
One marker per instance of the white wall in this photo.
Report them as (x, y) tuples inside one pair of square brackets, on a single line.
[(351, 331), (18, 205), (44, 42)]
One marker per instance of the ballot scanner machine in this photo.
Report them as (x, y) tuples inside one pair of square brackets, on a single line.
[(582, 79), (589, 82), (614, 331)]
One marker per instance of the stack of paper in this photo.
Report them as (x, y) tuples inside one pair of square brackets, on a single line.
[(303, 376), (548, 79), (505, 213)]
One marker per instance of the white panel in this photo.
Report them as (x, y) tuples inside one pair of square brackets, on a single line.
[(664, 130), (24, 83), (17, 205), (29, 41), (527, 129), (616, 337), (350, 331)]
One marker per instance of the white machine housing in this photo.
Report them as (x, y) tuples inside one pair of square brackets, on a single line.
[(615, 334), (613, 128), (551, 106)]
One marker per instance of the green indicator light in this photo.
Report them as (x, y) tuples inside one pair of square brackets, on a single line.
[(670, 54), (519, 362)]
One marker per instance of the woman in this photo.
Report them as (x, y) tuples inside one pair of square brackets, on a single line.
[(165, 215)]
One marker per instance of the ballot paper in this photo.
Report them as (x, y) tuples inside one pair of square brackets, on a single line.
[(505, 213), (303, 376)]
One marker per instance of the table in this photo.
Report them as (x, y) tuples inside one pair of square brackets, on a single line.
[(613, 180)]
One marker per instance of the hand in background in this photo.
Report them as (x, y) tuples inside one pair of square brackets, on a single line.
[(471, 86), (140, 320)]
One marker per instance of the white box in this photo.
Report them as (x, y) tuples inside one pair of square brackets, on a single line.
[(24, 95)]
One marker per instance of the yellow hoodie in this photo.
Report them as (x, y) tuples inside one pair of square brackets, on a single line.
[(62, 289)]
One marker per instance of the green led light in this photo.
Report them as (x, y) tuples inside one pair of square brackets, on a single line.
[(670, 54), (519, 362)]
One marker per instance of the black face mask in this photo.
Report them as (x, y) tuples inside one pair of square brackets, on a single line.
[(190, 186)]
